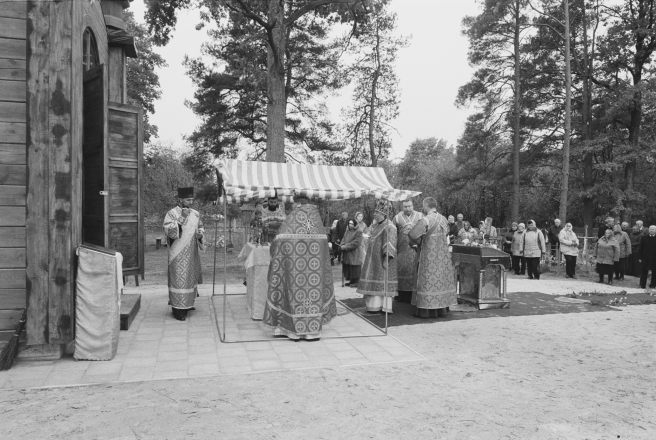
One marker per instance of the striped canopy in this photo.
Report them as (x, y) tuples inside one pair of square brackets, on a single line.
[(246, 180)]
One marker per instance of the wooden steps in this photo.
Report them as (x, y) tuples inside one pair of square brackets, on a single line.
[(130, 305)]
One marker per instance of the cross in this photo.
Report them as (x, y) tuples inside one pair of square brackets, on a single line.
[(308, 225)]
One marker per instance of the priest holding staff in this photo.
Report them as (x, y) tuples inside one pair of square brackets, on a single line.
[(435, 291), (380, 258), (407, 259)]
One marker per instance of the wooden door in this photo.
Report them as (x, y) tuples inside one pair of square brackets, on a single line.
[(125, 165), (94, 158)]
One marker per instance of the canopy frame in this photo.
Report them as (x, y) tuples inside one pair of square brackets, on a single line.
[(233, 189)]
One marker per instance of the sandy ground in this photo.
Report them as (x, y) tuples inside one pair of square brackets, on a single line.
[(570, 376)]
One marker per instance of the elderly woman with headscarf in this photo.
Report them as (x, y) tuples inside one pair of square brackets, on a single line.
[(534, 247), (467, 233), (517, 250), (607, 253), (352, 253), (625, 250), (569, 247)]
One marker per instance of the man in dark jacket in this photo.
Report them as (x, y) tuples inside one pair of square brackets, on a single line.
[(610, 222), (648, 257), (453, 229), (553, 232), (342, 225)]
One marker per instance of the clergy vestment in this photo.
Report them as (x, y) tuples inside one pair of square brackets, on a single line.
[(300, 297), (407, 257), (184, 259), (436, 286), (381, 248)]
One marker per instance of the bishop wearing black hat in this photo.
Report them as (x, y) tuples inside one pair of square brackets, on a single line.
[(184, 233)]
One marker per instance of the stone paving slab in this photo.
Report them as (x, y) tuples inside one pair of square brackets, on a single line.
[(157, 347)]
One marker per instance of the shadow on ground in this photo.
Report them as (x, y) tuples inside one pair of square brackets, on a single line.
[(522, 304)]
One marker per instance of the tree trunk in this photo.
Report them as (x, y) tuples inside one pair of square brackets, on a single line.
[(586, 131), (564, 184), (516, 139), (372, 102), (630, 167), (276, 94)]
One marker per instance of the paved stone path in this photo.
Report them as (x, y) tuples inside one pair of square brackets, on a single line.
[(159, 347)]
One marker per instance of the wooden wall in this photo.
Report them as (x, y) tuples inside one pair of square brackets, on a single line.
[(54, 145), (13, 169)]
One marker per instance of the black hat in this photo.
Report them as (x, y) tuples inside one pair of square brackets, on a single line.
[(186, 193)]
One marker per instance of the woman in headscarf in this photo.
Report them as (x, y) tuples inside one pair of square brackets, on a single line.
[(362, 226), (569, 247), (467, 233), (625, 250), (607, 253), (534, 247), (352, 254), (517, 248)]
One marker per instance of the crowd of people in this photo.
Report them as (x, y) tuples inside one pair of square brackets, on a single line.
[(619, 250), (403, 256)]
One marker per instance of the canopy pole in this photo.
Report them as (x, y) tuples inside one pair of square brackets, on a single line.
[(225, 264), (387, 263)]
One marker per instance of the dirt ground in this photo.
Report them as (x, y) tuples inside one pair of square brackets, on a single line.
[(574, 376), (569, 376)]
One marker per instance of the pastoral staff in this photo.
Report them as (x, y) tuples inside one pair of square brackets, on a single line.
[(300, 297), (407, 259), (184, 233)]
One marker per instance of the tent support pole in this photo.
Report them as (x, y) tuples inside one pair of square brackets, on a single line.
[(387, 263), (225, 264)]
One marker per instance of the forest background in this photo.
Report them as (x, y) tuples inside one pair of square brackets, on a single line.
[(516, 147)]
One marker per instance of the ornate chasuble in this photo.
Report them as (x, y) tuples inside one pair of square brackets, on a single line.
[(382, 243), (300, 297), (407, 259), (184, 260), (436, 286)]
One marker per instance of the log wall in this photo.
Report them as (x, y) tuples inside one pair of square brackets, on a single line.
[(13, 164), (53, 62)]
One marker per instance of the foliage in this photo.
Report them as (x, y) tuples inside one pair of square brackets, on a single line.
[(163, 174), (367, 122), (268, 30), (231, 87), (141, 78)]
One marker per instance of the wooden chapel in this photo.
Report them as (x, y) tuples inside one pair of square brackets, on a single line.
[(70, 158)]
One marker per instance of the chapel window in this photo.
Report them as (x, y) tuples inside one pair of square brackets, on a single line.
[(90, 58)]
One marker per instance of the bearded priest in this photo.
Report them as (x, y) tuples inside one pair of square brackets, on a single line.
[(184, 234), (378, 280)]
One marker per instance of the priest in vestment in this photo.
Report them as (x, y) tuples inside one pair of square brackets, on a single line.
[(435, 290), (273, 214), (184, 233), (406, 264), (381, 256), (300, 297)]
